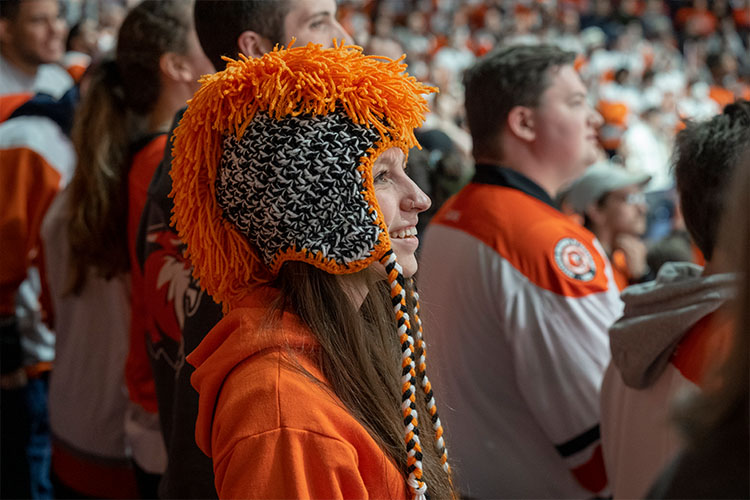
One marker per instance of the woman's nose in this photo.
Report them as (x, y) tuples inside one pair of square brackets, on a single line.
[(417, 199)]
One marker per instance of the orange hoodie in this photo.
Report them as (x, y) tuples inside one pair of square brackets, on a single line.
[(271, 431)]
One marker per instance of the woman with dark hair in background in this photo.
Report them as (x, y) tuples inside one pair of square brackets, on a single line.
[(119, 129)]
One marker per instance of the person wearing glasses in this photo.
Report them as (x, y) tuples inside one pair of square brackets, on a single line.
[(611, 201)]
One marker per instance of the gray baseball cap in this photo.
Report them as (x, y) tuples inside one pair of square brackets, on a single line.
[(598, 180)]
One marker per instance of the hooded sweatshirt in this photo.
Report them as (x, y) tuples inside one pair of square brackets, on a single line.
[(669, 337), (270, 429)]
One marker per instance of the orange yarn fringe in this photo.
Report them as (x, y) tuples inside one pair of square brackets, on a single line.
[(373, 91)]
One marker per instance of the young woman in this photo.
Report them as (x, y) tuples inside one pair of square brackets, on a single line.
[(119, 129), (291, 196)]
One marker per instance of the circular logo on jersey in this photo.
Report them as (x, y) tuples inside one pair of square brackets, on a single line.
[(574, 259)]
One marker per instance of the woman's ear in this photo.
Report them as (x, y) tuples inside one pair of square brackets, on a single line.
[(176, 67), (521, 122), (251, 44)]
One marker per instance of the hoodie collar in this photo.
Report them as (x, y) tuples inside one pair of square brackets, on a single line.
[(659, 313)]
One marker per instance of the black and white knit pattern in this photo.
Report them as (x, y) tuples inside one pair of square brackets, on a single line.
[(294, 183)]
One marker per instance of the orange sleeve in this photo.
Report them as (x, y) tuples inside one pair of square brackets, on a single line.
[(11, 102), (27, 186), (289, 463)]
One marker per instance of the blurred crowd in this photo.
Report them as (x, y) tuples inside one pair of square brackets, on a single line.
[(651, 68), (649, 64)]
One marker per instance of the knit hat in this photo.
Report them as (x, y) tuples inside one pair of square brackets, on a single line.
[(598, 180), (273, 163)]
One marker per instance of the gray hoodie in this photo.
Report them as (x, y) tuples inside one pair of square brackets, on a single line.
[(659, 313)]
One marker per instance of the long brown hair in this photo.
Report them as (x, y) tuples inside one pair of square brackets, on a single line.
[(113, 113), (360, 358)]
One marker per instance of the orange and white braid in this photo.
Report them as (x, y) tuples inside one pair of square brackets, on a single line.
[(408, 377)]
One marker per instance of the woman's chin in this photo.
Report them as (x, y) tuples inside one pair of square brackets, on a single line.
[(405, 249)]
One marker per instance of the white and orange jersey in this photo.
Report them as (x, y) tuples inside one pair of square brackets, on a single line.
[(517, 299), (36, 160), (676, 330), (16, 87)]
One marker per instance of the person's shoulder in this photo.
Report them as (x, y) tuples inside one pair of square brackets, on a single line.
[(560, 256), (492, 213), (548, 248), (53, 79), (42, 137), (279, 389)]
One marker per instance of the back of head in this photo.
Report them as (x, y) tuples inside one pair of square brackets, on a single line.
[(219, 24), (705, 157), (736, 238), (725, 400), (150, 29), (505, 78), (112, 114), (9, 9)]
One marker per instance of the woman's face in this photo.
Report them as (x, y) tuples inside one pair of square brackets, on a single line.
[(400, 201)]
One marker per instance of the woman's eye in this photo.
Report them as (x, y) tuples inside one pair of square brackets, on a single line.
[(381, 176)]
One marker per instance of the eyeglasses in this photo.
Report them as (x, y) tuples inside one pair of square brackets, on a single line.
[(635, 199)]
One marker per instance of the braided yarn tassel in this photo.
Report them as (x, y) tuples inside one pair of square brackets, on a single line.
[(408, 377), (427, 387)]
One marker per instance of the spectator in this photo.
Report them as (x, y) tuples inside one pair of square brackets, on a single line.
[(715, 461), (645, 147), (111, 15), (31, 42), (179, 313), (86, 233), (696, 21), (519, 295), (35, 160), (613, 206), (723, 70), (80, 48), (672, 330), (309, 313)]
